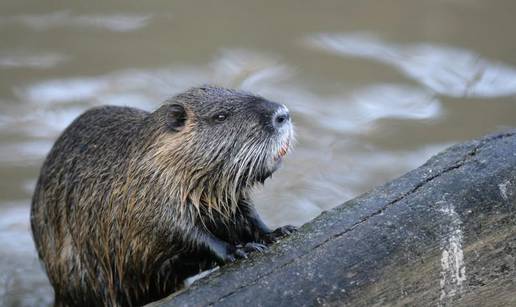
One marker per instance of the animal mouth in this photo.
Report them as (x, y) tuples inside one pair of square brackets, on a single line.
[(282, 151), (276, 160)]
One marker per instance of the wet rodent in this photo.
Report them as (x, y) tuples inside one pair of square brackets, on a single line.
[(130, 203)]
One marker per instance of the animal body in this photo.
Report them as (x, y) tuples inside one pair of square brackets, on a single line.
[(130, 203)]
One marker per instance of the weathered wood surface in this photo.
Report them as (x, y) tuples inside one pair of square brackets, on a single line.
[(441, 235)]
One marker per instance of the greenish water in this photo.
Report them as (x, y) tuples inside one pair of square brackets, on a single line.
[(375, 88)]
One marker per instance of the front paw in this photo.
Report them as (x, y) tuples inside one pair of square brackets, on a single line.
[(279, 233), (242, 251), (226, 253), (284, 231), (255, 247), (234, 254)]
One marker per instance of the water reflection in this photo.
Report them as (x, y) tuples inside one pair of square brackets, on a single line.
[(248, 70), (358, 112), (446, 70), (21, 282), (24, 153), (113, 22), (42, 61)]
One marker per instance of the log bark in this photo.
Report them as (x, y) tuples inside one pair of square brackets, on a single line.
[(443, 234)]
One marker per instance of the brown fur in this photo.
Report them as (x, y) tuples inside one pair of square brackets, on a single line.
[(129, 203)]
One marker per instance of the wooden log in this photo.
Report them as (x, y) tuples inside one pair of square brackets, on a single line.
[(443, 234)]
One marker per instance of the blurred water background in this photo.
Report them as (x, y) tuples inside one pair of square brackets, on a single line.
[(375, 88)]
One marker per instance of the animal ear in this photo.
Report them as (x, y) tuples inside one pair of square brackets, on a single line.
[(176, 117)]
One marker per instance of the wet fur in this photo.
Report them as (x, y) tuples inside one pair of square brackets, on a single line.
[(130, 203)]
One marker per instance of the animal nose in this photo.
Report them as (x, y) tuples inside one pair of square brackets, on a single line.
[(280, 118)]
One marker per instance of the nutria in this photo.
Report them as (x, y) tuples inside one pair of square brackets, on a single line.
[(130, 203)]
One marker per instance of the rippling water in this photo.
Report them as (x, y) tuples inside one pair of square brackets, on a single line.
[(375, 89)]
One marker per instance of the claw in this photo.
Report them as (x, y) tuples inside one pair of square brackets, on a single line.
[(284, 230), (253, 246), (230, 258), (240, 253), (278, 233)]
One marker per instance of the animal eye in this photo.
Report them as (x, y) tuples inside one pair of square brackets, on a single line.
[(220, 117)]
